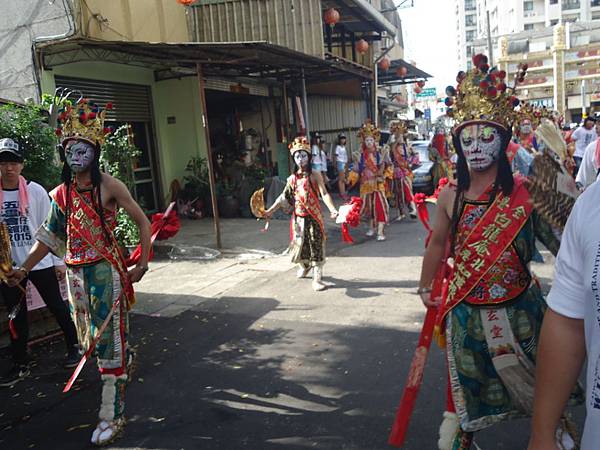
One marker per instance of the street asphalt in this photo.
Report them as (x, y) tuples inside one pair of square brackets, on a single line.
[(239, 354)]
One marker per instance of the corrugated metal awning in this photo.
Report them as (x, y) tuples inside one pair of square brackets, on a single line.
[(391, 77), (257, 60), (360, 16)]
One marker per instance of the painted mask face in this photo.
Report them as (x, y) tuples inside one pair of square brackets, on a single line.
[(370, 142), (301, 159), (481, 145), (79, 155), (526, 127)]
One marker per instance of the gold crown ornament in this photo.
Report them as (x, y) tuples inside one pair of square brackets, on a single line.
[(299, 143), (482, 95), (369, 130), (84, 120), (399, 128)]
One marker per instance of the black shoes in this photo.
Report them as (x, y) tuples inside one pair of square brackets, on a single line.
[(17, 373), (72, 358)]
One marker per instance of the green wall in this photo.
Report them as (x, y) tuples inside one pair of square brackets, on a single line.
[(176, 143)]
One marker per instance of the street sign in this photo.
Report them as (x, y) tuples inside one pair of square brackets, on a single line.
[(427, 113), (427, 93)]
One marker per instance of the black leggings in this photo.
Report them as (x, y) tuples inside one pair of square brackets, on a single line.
[(47, 284)]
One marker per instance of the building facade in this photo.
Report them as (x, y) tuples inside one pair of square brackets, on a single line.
[(466, 30)]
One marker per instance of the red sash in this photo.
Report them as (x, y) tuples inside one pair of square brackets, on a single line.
[(486, 243), (84, 222)]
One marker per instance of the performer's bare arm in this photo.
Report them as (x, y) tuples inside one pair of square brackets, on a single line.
[(118, 192), (436, 249), (36, 254), (560, 357), (326, 196)]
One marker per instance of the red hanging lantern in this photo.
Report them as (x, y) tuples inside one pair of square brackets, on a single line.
[(421, 83), (384, 64), (331, 17), (402, 71), (418, 90), (362, 46), (185, 2)]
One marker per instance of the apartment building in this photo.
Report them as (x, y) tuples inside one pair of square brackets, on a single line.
[(466, 30)]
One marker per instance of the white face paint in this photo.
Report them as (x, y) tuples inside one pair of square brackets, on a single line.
[(370, 142), (79, 155), (481, 145), (526, 127), (301, 159)]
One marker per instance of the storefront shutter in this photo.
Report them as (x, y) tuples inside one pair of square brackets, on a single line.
[(132, 102)]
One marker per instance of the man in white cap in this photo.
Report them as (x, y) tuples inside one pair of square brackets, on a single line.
[(24, 206)]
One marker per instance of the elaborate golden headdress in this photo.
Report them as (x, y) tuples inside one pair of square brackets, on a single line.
[(299, 143), (369, 130), (483, 95), (399, 127), (85, 121)]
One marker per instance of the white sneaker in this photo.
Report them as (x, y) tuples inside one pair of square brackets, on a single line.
[(381, 237), (370, 233)]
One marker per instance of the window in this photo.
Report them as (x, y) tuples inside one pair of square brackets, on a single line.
[(528, 6), (553, 2), (470, 5), (470, 20), (571, 4), (528, 27), (469, 50), (595, 3), (553, 22), (470, 35)]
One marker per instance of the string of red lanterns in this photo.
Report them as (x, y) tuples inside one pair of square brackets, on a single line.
[(331, 17)]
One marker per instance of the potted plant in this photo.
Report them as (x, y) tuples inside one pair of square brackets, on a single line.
[(228, 202), (195, 196)]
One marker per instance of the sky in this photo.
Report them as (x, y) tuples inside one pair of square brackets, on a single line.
[(429, 30)]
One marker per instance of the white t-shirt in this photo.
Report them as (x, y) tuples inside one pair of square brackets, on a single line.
[(341, 155), (317, 163), (22, 229), (588, 172), (576, 294), (583, 137)]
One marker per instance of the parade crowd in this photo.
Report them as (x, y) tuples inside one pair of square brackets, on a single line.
[(508, 176)]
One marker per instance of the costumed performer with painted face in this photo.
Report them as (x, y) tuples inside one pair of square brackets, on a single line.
[(490, 319), (369, 170), (301, 193), (79, 227)]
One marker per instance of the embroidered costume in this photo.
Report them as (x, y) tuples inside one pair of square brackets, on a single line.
[(492, 311), (98, 285), (307, 229), (369, 170), (401, 189)]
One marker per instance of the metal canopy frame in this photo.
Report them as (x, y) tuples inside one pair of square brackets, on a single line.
[(390, 77), (252, 60), (359, 16)]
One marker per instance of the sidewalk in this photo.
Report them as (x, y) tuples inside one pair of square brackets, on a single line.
[(248, 252)]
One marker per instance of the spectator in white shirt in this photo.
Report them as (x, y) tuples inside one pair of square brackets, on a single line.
[(590, 164), (583, 136), (341, 159), (571, 329)]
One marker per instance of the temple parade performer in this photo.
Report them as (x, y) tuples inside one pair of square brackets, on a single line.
[(403, 176), (301, 193), (369, 169), (490, 319), (79, 228)]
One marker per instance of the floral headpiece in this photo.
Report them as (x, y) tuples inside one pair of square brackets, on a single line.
[(483, 95), (83, 121), (299, 143), (369, 130)]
